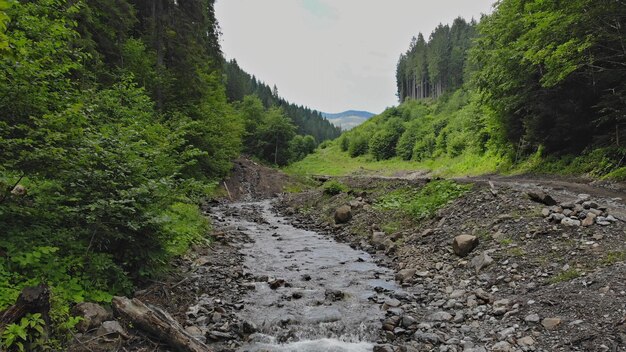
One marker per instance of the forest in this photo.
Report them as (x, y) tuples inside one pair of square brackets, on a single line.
[(536, 85), (117, 123)]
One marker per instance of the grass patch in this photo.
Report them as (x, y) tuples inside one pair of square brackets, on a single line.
[(516, 252), (566, 275), (391, 227), (614, 257), (506, 241), (424, 202)]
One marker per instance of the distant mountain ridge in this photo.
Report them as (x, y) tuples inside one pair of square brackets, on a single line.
[(357, 113), (348, 119)]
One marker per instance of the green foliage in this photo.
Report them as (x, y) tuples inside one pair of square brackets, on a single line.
[(240, 85), (334, 187), (27, 335), (423, 202), (115, 131), (301, 146), (564, 276), (344, 143), (383, 143), (359, 145)]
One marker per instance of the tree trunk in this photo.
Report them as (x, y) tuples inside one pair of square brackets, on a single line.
[(158, 323), (31, 300)]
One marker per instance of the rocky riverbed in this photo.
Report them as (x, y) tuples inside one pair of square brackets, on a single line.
[(530, 282)]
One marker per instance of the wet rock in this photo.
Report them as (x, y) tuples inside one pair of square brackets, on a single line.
[(481, 261), (93, 315), (383, 348), (333, 295), (551, 323), (275, 284), (248, 327), (391, 323), (343, 214), (464, 244), (541, 197), (391, 303), (405, 275)]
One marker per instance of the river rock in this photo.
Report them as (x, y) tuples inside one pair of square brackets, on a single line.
[(343, 214), (526, 341), (570, 222), (589, 219), (464, 244), (481, 261), (440, 316), (378, 240), (541, 197), (502, 346), (427, 337), (551, 323), (93, 315), (405, 275), (112, 329), (532, 318)]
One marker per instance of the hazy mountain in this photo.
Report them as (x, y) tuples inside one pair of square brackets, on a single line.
[(348, 119)]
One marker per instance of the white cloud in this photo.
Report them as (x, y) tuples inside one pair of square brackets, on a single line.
[(332, 55)]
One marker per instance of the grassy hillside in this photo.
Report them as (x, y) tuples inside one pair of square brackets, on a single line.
[(452, 136)]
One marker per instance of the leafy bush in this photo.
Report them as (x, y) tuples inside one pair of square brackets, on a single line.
[(359, 145), (334, 187), (344, 143)]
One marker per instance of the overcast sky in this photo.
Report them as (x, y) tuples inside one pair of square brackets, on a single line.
[(332, 55)]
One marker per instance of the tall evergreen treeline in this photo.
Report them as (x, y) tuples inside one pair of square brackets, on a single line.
[(239, 84), (114, 127), (534, 78)]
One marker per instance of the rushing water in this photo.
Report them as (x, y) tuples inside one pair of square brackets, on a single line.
[(328, 300)]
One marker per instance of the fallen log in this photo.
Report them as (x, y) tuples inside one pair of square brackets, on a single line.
[(158, 323), (31, 300)]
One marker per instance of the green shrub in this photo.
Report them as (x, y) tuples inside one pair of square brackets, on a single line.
[(334, 187), (359, 145), (344, 143)]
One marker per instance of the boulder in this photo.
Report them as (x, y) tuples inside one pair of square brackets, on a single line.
[(93, 315), (343, 214), (405, 275), (464, 244), (541, 197)]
